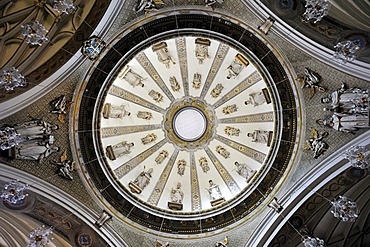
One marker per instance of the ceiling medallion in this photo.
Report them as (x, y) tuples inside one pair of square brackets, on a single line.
[(189, 123)]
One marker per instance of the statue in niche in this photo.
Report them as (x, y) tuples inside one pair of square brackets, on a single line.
[(118, 150), (201, 49), (176, 198), (231, 131), (141, 181), (161, 156), (211, 2), (255, 99), (59, 106), (35, 129), (204, 164), (35, 149), (311, 80), (229, 109), (215, 194), (114, 111), (359, 156), (244, 171), (144, 115), (157, 97), (149, 138), (197, 80), (181, 167), (348, 101), (261, 136), (236, 66), (223, 243), (147, 6), (174, 84), (316, 143), (222, 151), (160, 244), (216, 91), (65, 167), (131, 77), (162, 54), (345, 122)]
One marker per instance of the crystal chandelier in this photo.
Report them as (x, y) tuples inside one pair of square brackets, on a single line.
[(9, 138), (346, 51), (33, 33), (40, 237), (13, 192), (63, 6), (312, 242), (344, 209), (315, 10), (359, 157), (11, 78)]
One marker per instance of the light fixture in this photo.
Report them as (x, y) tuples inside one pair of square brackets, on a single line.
[(13, 192), (346, 51), (34, 33), (312, 242), (315, 10), (63, 6), (40, 237), (359, 157), (344, 209), (9, 138), (11, 78)]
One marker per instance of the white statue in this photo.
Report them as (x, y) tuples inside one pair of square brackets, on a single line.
[(174, 84), (204, 164), (316, 143), (119, 149), (255, 99), (35, 129), (141, 181), (157, 97), (311, 80), (352, 100), (223, 152), (144, 115), (59, 106), (162, 54), (197, 80), (147, 6), (229, 109), (114, 111), (261, 136), (234, 69), (161, 156), (244, 170), (131, 77), (214, 191), (181, 164), (149, 138), (176, 194), (346, 123), (201, 49), (216, 91), (65, 167), (231, 131), (35, 150)]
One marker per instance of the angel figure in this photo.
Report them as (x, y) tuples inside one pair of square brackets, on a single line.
[(157, 97), (65, 167), (224, 243), (147, 6), (316, 143), (311, 80), (197, 80), (144, 115), (161, 156), (59, 106), (216, 91), (181, 164), (222, 151), (204, 164), (149, 138), (174, 84)]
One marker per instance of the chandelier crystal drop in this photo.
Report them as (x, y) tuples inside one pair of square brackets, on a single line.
[(359, 157), (9, 138), (346, 51), (344, 209), (34, 33), (63, 6), (312, 242), (13, 192), (11, 78), (315, 10), (40, 237)]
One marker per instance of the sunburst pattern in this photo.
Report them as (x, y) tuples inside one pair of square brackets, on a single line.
[(211, 158)]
